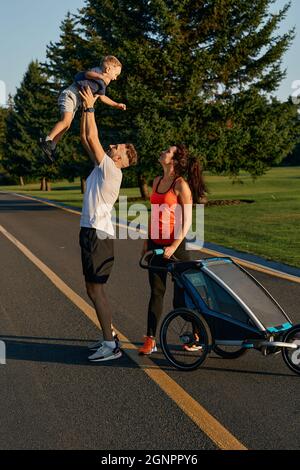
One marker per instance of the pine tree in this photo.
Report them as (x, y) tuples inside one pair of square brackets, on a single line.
[(126, 30), (202, 72), (66, 56), (30, 119), (225, 59), (3, 116), (64, 59)]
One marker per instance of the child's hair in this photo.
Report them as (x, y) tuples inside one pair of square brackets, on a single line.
[(110, 60)]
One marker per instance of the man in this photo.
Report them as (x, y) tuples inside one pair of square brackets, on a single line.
[(97, 244)]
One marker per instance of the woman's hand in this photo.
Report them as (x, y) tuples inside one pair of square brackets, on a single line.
[(87, 97), (145, 247), (169, 251)]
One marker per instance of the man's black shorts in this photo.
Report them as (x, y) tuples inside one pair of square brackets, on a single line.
[(97, 256)]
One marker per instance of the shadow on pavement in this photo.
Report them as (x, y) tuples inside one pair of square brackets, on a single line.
[(17, 338), (26, 348), (17, 349), (162, 363), (11, 206)]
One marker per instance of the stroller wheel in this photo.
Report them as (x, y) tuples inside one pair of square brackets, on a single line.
[(229, 352), (292, 356), (185, 339)]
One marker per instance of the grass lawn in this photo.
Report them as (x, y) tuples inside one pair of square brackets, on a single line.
[(269, 227)]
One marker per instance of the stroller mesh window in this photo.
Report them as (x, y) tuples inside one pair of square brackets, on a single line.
[(263, 307), (215, 297)]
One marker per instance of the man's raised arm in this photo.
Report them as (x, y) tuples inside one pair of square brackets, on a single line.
[(83, 137), (89, 131)]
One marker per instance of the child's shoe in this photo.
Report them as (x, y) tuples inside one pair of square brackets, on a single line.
[(46, 146)]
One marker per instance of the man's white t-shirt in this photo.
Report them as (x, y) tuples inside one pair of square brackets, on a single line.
[(102, 191)]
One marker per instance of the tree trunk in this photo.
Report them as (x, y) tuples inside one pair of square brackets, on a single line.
[(43, 184), (82, 185), (143, 187), (21, 181), (48, 185)]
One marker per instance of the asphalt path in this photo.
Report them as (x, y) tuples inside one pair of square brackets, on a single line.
[(53, 398)]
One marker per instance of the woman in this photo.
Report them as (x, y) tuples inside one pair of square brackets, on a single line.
[(172, 191)]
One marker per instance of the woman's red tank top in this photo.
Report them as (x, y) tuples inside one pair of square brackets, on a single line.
[(163, 207)]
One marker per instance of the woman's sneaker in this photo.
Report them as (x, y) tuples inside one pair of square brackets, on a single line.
[(148, 347), (98, 344), (105, 353)]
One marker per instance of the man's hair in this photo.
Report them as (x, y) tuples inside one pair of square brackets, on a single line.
[(110, 60), (131, 154)]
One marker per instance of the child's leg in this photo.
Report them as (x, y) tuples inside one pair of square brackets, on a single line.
[(68, 102), (58, 137), (61, 127)]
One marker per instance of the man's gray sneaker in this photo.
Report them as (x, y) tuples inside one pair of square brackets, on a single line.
[(98, 344), (105, 353)]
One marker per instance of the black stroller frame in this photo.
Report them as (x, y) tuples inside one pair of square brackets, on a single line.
[(226, 311)]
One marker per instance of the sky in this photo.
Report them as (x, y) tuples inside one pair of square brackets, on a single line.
[(28, 26)]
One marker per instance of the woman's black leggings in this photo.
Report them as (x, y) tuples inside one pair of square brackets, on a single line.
[(158, 280)]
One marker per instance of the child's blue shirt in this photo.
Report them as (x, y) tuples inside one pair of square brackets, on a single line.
[(98, 87)]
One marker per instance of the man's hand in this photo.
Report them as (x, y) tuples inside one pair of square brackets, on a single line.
[(87, 97), (121, 106)]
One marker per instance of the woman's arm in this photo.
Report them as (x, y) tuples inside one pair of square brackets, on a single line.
[(145, 244), (185, 199)]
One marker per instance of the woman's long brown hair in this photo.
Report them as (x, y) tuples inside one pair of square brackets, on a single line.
[(187, 166)]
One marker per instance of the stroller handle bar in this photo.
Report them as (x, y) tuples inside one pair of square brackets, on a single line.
[(145, 262)]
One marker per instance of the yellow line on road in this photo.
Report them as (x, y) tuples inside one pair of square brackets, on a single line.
[(246, 264), (218, 434)]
